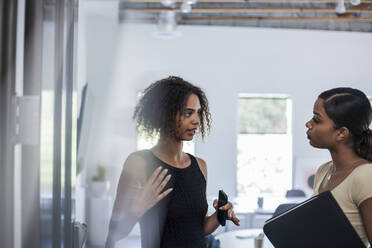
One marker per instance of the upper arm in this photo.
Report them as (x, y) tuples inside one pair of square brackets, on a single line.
[(203, 167), (361, 185), (132, 178), (366, 213), (361, 192)]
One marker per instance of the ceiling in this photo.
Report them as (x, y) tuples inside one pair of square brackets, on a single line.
[(298, 14)]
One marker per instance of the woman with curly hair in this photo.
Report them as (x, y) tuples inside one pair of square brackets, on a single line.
[(341, 124), (164, 188)]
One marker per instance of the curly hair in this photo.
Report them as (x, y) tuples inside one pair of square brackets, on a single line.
[(157, 109)]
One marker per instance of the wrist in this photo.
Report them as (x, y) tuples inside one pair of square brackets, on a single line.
[(214, 219), (136, 213)]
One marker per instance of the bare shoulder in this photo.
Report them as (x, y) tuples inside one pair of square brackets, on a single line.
[(135, 157), (136, 165), (366, 213), (203, 167)]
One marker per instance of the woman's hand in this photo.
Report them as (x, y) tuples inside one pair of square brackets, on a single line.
[(149, 195), (230, 213)]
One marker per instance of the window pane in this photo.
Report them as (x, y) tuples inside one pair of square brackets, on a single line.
[(262, 115), (264, 146), (46, 142), (264, 164)]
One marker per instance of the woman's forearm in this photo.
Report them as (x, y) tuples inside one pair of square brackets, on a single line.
[(120, 228), (210, 224)]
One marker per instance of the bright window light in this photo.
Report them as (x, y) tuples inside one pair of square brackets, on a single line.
[(264, 145)]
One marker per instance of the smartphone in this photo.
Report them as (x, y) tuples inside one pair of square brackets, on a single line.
[(222, 214)]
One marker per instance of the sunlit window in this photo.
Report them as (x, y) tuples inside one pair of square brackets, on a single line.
[(264, 145)]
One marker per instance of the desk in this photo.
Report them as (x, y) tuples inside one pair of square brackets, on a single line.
[(253, 217), (230, 239), (270, 203), (246, 210)]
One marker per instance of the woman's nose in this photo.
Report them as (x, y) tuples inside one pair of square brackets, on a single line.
[(196, 119), (308, 124)]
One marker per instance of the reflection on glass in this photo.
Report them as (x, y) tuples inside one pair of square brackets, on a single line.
[(46, 143)]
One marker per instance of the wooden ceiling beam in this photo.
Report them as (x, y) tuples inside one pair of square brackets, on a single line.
[(340, 18), (346, 18), (251, 10), (243, 1)]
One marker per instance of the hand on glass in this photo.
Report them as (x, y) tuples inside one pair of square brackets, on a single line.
[(230, 213), (149, 195)]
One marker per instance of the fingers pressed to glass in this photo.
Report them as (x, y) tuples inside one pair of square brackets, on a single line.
[(164, 194), (160, 177), (154, 175), (163, 183)]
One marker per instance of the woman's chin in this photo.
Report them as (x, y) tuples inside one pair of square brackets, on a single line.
[(315, 145), (188, 139)]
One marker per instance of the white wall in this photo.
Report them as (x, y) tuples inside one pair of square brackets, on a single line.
[(224, 61)]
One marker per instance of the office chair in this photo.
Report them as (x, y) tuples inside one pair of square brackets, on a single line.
[(282, 208), (212, 242), (295, 193), (80, 231)]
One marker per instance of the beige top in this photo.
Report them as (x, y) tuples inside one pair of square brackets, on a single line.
[(350, 193)]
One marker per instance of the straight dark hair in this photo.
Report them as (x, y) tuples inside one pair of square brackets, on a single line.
[(350, 108)]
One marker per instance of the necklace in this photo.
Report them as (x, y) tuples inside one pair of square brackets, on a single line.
[(333, 169)]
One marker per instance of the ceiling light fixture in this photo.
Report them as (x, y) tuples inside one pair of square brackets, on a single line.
[(169, 3), (167, 25), (186, 7), (192, 1), (340, 8)]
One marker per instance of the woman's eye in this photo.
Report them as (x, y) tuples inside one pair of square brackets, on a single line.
[(187, 114), (315, 120)]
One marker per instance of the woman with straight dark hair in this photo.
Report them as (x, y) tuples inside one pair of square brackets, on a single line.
[(164, 188), (341, 121)]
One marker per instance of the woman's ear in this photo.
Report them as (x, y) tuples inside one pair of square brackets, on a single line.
[(343, 134)]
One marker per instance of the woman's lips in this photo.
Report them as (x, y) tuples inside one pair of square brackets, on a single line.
[(191, 131)]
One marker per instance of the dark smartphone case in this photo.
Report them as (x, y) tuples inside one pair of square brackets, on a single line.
[(222, 214)]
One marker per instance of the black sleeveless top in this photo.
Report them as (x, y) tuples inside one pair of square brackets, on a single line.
[(177, 220)]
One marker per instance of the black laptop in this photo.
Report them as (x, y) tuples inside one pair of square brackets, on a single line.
[(318, 222)]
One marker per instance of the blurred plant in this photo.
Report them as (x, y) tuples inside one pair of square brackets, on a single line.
[(101, 174), (79, 167)]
